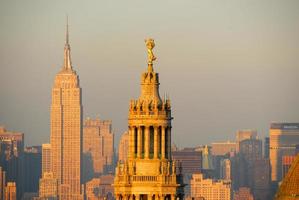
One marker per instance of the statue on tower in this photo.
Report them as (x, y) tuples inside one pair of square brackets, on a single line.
[(150, 44)]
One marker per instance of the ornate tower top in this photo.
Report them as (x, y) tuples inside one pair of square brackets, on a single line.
[(150, 79)]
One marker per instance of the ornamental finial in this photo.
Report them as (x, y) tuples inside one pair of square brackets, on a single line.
[(150, 44)]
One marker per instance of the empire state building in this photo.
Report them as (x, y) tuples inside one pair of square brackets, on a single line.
[(66, 129)]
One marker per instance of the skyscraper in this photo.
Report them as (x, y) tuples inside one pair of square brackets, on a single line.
[(283, 140), (32, 169), (149, 172), (223, 148), (66, 129), (191, 162), (98, 145), (123, 147), (244, 135)]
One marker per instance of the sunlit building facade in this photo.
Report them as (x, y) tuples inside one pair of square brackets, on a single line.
[(283, 140), (208, 189), (123, 147), (150, 171), (66, 130), (46, 158), (98, 144), (11, 191)]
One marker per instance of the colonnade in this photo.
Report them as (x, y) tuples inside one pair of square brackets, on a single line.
[(150, 142), (146, 197)]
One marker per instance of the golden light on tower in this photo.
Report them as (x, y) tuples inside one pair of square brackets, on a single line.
[(149, 172)]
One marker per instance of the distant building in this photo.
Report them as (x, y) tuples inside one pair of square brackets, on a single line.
[(98, 147), (266, 147), (222, 148), (11, 157), (244, 135), (207, 163), (225, 169), (11, 191), (208, 189), (243, 194), (32, 169), (100, 188), (261, 179), (46, 158), (2, 183), (191, 161), (123, 147), (48, 186), (286, 164), (251, 149), (283, 140)]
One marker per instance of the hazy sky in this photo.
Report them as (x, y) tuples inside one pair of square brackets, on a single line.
[(226, 64)]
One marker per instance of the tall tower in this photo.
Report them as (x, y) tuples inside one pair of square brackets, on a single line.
[(149, 173), (66, 129)]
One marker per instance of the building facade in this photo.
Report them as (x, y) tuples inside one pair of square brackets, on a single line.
[(32, 169), (100, 188), (223, 148), (66, 129), (98, 147), (12, 157), (48, 186), (150, 171), (208, 189), (225, 169), (283, 140), (2, 183), (11, 191), (191, 162), (243, 194), (123, 147), (46, 158)]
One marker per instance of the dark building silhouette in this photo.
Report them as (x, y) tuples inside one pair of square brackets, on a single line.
[(11, 157), (32, 169)]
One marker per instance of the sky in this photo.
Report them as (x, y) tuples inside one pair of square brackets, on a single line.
[(226, 64)]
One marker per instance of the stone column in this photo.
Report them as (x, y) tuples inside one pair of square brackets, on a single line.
[(173, 197), (132, 142), (137, 197), (139, 142), (156, 142), (169, 142), (163, 142), (118, 197), (146, 141)]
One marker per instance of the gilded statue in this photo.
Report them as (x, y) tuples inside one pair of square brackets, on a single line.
[(150, 44)]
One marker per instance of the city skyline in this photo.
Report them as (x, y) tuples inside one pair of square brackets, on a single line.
[(226, 76)]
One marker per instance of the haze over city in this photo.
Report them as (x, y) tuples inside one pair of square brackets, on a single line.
[(226, 65)]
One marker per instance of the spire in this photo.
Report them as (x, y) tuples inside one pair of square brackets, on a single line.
[(67, 49)]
